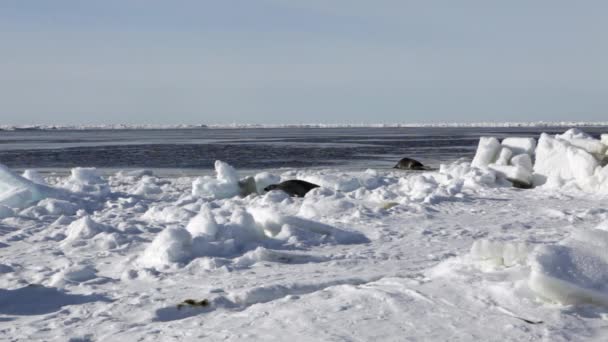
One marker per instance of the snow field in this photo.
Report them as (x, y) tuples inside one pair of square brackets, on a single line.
[(452, 254)]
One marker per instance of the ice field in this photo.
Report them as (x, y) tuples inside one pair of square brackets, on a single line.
[(510, 245)]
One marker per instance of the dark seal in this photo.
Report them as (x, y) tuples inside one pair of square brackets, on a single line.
[(295, 187), (409, 164)]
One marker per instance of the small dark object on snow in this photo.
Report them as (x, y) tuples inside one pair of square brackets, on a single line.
[(409, 164), (191, 302), (519, 184), (294, 187)]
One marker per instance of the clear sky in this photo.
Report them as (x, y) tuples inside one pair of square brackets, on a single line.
[(308, 61)]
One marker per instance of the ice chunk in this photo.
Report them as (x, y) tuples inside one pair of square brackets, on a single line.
[(172, 245), (518, 175), (87, 180), (604, 139), (582, 140), (523, 160), (203, 224), (146, 186), (504, 156), (19, 192), (574, 272), (499, 253), (487, 152), (558, 159), (520, 145), (573, 133), (34, 176), (224, 185)]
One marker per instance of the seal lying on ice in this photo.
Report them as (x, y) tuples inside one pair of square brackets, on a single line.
[(409, 164), (294, 187)]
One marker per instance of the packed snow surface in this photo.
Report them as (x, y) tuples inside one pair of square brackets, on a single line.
[(453, 254)]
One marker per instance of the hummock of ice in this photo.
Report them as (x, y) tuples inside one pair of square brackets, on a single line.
[(226, 184), (86, 180), (573, 158), (19, 192)]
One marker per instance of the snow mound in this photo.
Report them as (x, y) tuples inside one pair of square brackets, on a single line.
[(574, 271), (226, 184), (84, 228), (172, 245), (203, 223), (243, 231), (146, 186), (86, 180), (74, 275)]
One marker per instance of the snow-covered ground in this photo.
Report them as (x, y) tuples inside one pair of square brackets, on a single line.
[(453, 254)]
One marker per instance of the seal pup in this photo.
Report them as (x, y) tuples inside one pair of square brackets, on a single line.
[(409, 164), (294, 187)]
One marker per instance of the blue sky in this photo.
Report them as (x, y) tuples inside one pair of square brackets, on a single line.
[(281, 61)]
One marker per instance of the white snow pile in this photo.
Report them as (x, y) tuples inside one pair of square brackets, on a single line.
[(241, 230), (226, 184), (570, 159), (85, 229), (86, 180)]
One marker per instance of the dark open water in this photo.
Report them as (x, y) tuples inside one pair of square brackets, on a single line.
[(246, 148)]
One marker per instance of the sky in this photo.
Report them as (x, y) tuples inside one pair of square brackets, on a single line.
[(309, 61)]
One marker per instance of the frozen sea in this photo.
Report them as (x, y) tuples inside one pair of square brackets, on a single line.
[(182, 150), (144, 235)]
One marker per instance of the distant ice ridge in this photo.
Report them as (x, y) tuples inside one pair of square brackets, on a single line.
[(308, 125)]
